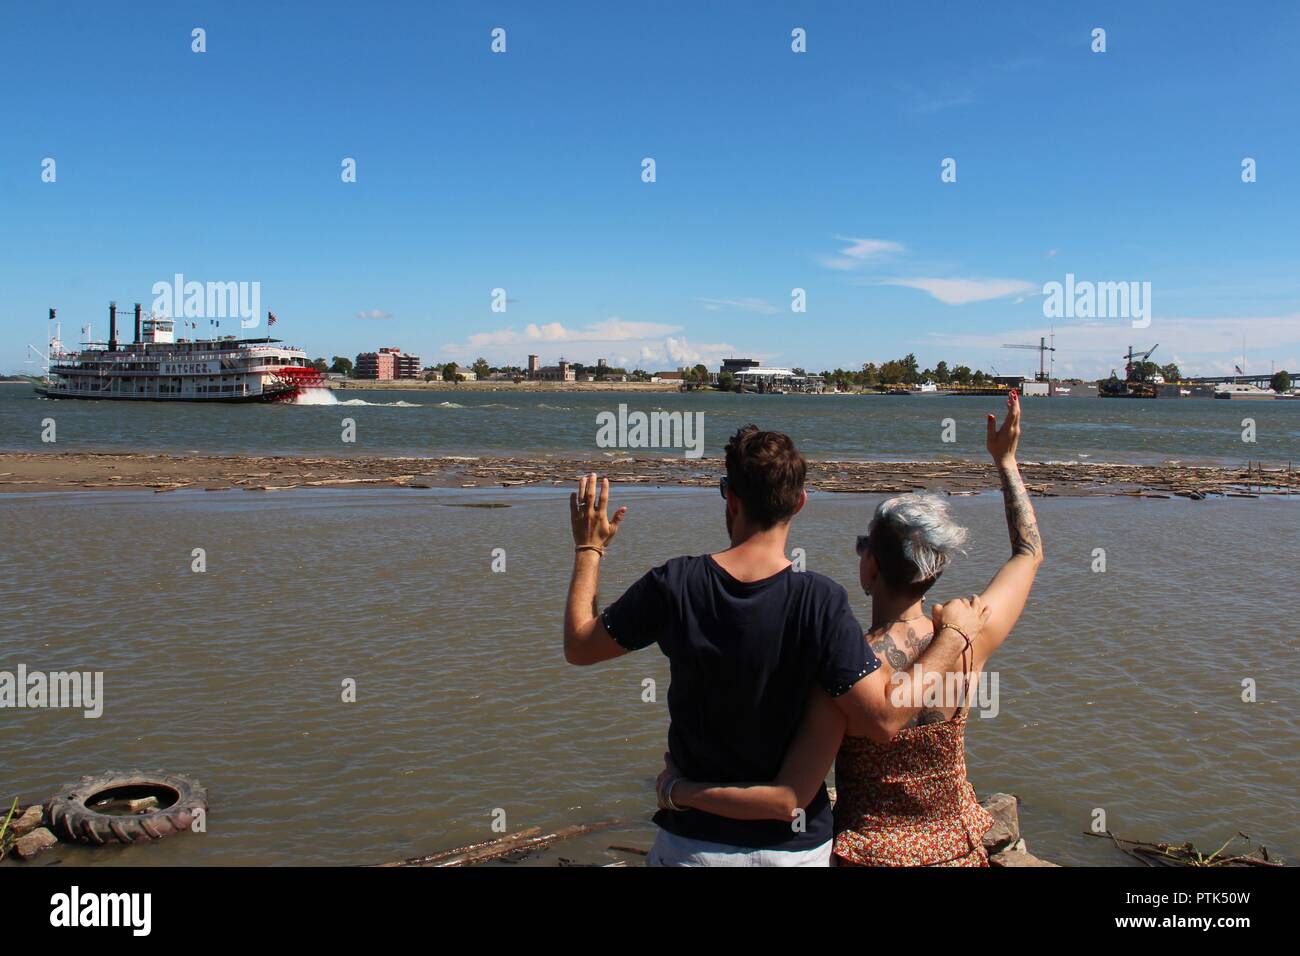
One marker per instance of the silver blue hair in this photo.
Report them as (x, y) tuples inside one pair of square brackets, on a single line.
[(923, 523)]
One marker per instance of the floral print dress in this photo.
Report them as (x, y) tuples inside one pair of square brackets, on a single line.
[(908, 802)]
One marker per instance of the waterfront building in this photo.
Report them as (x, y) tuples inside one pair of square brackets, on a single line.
[(734, 365), (563, 372), (386, 365)]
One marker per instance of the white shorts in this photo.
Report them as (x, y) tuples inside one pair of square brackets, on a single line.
[(672, 850)]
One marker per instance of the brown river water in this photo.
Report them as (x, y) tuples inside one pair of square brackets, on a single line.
[(1119, 690)]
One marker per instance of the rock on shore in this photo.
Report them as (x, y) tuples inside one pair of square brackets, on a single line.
[(1003, 842)]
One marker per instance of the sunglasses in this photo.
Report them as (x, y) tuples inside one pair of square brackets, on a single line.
[(863, 541), (722, 486)]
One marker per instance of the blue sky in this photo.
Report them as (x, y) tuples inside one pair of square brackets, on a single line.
[(775, 170)]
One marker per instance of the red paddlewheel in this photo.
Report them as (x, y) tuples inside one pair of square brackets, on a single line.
[(294, 379)]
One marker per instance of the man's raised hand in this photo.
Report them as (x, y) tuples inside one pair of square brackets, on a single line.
[(966, 615), (588, 513)]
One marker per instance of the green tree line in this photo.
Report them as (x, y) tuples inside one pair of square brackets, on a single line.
[(904, 371)]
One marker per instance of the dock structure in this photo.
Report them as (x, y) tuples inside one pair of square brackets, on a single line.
[(1262, 380)]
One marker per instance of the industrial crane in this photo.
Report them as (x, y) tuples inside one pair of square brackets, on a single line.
[(1042, 348), (1133, 363)]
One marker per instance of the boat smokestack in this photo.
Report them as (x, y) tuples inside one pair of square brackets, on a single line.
[(137, 323), (112, 326)]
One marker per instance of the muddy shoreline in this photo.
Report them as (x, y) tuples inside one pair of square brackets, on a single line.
[(69, 471)]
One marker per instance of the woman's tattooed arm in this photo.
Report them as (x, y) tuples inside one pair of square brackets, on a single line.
[(1021, 522)]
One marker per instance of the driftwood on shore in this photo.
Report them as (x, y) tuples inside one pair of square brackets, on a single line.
[(1185, 854), (521, 841), (34, 471), (1003, 842)]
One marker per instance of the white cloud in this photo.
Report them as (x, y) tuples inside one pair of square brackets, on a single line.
[(862, 252), (675, 352), (374, 314), (679, 352), (965, 291), (859, 252), (922, 100), (610, 330), (655, 344), (761, 306)]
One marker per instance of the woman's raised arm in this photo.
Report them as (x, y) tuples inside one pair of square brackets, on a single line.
[(1007, 592)]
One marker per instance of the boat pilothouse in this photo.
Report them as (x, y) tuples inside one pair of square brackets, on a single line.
[(157, 366)]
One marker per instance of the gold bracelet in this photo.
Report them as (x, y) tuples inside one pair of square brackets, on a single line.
[(590, 547), (965, 636)]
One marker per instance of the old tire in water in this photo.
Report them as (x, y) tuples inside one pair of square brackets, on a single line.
[(73, 816)]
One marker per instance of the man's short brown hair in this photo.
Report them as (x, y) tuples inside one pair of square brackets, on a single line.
[(766, 472)]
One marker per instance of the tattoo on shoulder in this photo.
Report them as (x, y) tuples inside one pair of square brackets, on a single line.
[(901, 658), (927, 715), (884, 646), (917, 643), (930, 715)]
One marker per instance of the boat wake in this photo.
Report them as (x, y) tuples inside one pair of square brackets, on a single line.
[(315, 396), (357, 402)]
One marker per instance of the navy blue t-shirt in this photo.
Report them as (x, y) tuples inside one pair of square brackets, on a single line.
[(744, 658)]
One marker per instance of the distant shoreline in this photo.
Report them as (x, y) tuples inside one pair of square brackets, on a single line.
[(529, 385), (407, 385), (1086, 390), (76, 471)]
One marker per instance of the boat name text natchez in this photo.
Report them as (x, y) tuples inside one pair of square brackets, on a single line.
[(156, 366)]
